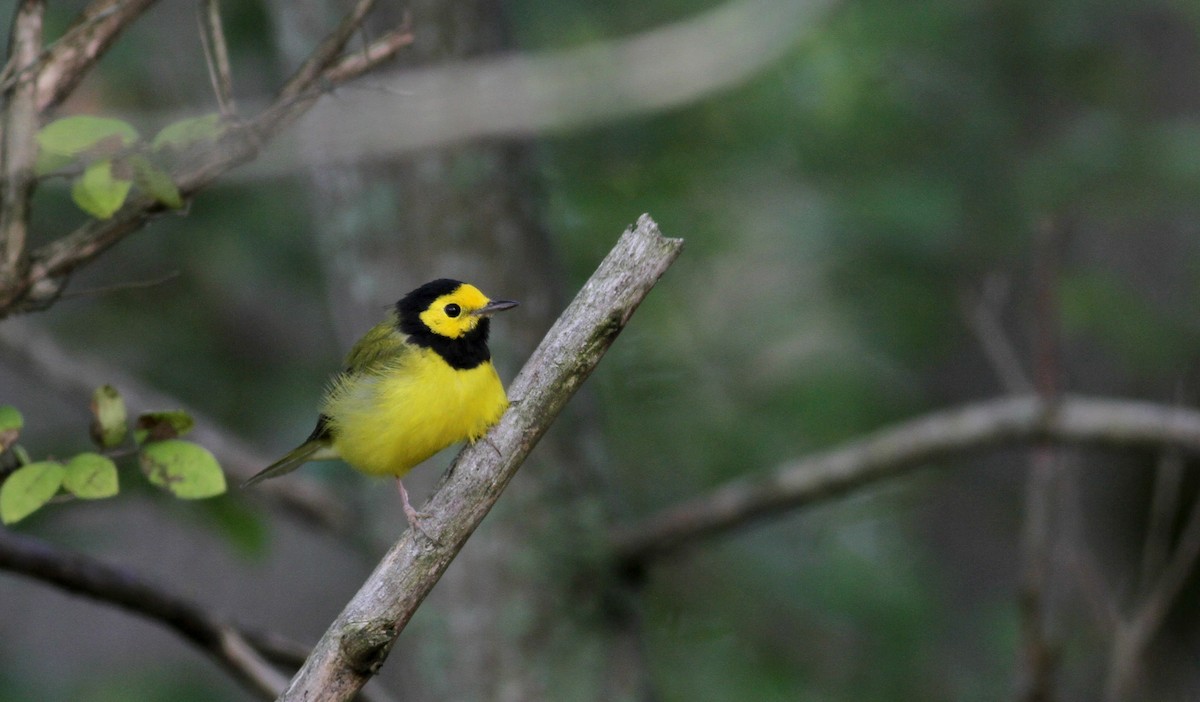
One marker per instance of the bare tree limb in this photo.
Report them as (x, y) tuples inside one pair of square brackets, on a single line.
[(18, 150), (893, 451), (239, 653), (358, 641)]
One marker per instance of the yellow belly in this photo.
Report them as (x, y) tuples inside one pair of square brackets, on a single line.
[(387, 422)]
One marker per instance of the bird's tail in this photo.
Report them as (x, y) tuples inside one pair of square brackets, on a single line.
[(301, 454)]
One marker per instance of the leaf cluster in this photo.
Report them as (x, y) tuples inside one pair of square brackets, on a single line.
[(183, 468), (106, 157)]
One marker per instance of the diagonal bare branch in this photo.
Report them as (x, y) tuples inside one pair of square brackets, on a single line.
[(68, 60), (983, 320), (358, 641), (313, 68), (385, 47), (233, 649)]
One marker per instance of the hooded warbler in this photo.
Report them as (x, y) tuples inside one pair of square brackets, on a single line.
[(419, 381)]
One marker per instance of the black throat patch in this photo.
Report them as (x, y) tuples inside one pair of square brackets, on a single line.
[(464, 353)]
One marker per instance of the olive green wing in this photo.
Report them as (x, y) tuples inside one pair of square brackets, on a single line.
[(380, 346), (383, 344)]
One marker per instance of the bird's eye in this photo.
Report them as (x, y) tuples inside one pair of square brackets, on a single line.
[(453, 310)]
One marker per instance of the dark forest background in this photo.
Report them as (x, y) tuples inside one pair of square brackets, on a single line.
[(889, 207)]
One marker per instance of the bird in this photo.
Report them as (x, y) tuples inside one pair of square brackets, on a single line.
[(417, 382)]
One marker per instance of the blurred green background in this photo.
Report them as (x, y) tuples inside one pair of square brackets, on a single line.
[(846, 210)]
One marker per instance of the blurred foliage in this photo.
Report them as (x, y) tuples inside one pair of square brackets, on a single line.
[(837, 208)]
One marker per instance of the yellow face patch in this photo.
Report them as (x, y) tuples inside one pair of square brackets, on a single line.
[(453, 314)]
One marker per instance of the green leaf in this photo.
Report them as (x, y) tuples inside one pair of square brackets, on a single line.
[(157, 426), (155, 182), (98, 191), (109, 423), (72, 136), (11, 422), (188, 470), (188, 132), (10, 418), (91, 476), (28, 488)]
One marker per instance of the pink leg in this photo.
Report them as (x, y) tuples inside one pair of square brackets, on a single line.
[(414, 517)]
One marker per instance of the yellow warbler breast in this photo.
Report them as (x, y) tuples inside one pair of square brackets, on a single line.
[(388, 420)]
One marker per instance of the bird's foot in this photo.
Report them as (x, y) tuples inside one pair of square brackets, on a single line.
[(414, 517)]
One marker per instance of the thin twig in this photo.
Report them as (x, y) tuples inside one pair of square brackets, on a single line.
[(216, 55), (1135, 634), (1043, 494), (385, 47), (69, 58), (983, 320), (82, 24), (1164, 506), (118, 287), (313, 68), (358, 641)]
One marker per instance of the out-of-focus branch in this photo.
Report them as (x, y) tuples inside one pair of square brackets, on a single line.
[(324, 54), (357, 62), (982, 318), (216, 55), (1164, 509), (68, 59), (50, 265), (892, 452), (77, 376), (1134, 634), (358, 641), (239, 653), (1043, 490), (18, 150), (534, 92)]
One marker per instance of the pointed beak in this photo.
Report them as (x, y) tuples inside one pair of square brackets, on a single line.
[(495, 306)]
